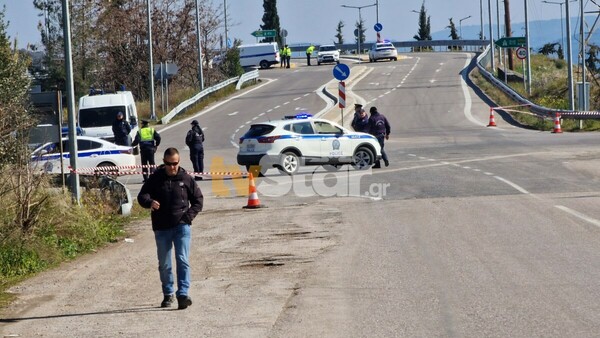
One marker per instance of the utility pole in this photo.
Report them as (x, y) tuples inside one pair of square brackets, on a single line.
[(200, 79), (150, 63), (225, 16), (493, 49), (527, 46), (583, 91), (508, 32)]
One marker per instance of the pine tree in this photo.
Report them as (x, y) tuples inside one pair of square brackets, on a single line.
[(271, 20), (338, 35), (360, 26), (453, 35)]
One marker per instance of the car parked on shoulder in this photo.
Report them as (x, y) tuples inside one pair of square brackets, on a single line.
[(383, 50), (301, 140), (92, 152), (328, 54)]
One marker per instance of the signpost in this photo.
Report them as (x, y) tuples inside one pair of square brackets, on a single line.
[(521, 53), (378, 27), (511, 42), (341, 72), (270, 33)]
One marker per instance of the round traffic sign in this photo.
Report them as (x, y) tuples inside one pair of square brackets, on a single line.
[(378, 27), (284, 33), (522, 53), (341, 72), (356, 33)]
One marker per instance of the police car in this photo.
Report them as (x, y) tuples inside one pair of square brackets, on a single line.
[(302, 140), (92, 152)]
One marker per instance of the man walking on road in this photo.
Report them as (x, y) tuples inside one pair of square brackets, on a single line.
[(380, 128), (174, 199)]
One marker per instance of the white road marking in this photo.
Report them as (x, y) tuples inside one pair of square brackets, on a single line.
[(578, 215), (298, 98), (234, 113), (512, 185), (286, 103), (276, 107), (467, 94), (306, 94)]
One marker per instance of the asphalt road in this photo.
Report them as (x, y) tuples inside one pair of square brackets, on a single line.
[(471, 231)]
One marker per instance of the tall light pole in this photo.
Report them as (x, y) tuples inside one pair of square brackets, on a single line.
[(527, 48), (569, 58), (460, 26), (492, 48), (481, 34), (359, 37), (199, 45), (377, 11), (150, 62), (225, 17), (583, 91)]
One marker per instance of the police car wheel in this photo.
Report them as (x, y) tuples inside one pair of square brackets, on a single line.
[(289, 163), (363, 158)]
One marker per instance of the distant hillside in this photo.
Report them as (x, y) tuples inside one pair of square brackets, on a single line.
[(541, 32)]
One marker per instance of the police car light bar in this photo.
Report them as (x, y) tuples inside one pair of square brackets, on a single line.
[(300, 116)]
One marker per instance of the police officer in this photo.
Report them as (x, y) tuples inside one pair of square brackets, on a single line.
[(282, 57), (288, 56), (194, 140), (380, 128), (309, 52), (149, 140), (121, 130)]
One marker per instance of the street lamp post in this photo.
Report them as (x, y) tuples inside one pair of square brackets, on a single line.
[(359, 37), (460, 25), (569, 59), (150, 62), (200, 77), (562, 35)]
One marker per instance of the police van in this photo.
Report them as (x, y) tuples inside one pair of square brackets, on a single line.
[(98, 110), (259, 54)]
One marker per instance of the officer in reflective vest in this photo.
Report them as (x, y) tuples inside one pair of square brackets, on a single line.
[(288, 56), (149, 140), (309, 52)]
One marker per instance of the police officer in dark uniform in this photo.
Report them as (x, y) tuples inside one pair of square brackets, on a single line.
[(194, 140), (121, 130), (149, 140)]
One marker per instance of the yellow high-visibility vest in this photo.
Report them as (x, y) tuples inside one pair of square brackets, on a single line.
[(146, 134)]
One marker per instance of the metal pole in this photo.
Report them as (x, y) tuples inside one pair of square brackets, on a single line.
[(377, 11), (225, 15), (74, 176), (150, 64), (481, 34), (359, 34), (562, 34), (527, 46), (500, 50), (492, 48), (199, 45), (569, 59), (583, 92)]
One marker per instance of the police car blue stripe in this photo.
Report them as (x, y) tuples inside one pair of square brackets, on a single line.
[(80, 154)]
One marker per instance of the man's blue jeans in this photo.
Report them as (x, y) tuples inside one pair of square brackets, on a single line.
[(178, 237)]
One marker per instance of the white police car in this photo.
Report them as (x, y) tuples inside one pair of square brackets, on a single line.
[(92, 152), (301, 140)]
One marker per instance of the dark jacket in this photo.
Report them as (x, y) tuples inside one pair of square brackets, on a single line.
[(179, 196), (360, 124), (121, 129), (378, 125), (194, 137)]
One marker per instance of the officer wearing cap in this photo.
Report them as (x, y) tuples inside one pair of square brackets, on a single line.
[(121, 130), (194, 140), (149, 140), (360, 121)]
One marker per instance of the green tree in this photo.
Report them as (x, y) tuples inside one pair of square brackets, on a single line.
[(360, 26), (338, 35), (592, 60), (548, 49), (424, 32), (231, 63), (271, 20), (453, 35)]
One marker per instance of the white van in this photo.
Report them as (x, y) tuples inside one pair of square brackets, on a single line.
[(259, 54), (98, 111)]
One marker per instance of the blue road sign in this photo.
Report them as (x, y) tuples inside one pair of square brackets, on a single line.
[(378, 27), (341, 72)]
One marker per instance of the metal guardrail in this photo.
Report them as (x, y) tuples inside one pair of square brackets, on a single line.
[(246, 77), (193, 100), (536, 109)]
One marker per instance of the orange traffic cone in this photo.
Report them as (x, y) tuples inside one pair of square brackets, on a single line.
[(253, 202), (492, 120), (557, 124)]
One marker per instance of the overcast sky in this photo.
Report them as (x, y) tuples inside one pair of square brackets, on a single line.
[(316, 20)]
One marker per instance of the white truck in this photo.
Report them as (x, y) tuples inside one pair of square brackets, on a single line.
[(98, 110), (259, 54)]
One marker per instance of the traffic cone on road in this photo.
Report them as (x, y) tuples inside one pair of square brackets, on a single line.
[(557, 129), (492, 120), (253, 202)]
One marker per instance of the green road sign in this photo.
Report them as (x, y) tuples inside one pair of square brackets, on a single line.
[(512, 42), (271, 33)]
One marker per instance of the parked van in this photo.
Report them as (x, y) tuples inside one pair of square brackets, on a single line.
[(98, 111), (259, 54)]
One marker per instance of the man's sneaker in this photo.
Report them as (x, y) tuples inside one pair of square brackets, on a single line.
[(183, 301), (167, 301)]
